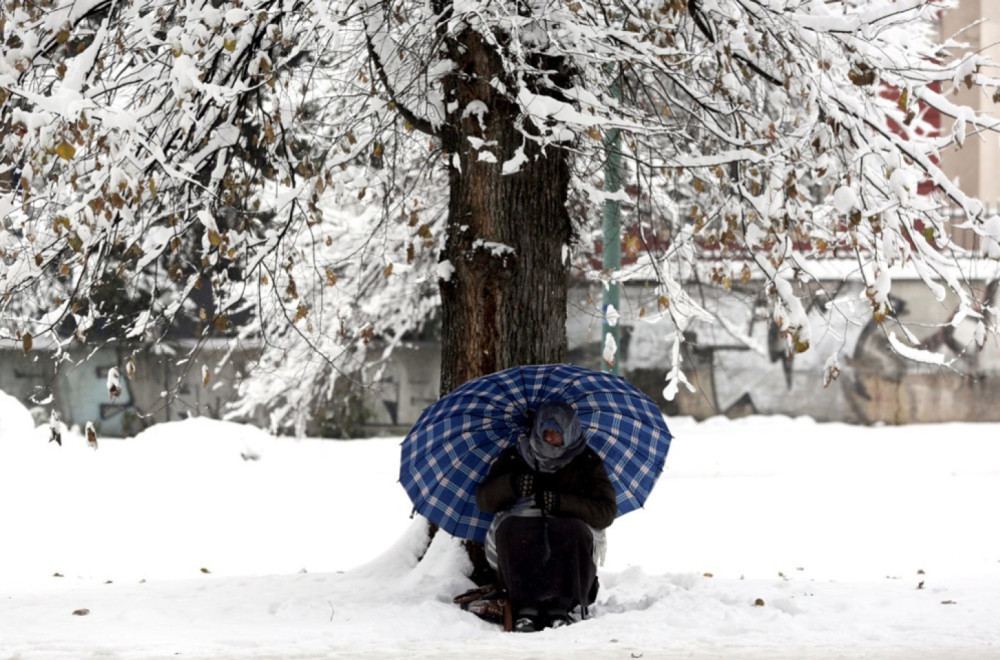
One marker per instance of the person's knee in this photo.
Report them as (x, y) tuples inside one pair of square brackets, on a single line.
[(574, 528)]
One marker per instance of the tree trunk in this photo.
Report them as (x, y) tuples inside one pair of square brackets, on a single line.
[(504, 303)]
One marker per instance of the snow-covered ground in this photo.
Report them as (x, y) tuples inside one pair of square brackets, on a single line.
[(765, 537)]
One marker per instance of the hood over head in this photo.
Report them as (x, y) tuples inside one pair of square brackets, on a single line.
[(542, 456)]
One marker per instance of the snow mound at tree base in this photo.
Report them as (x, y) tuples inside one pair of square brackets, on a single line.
[(16, 422)]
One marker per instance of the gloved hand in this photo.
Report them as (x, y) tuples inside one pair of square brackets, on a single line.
[(524, 484), (546, 500)]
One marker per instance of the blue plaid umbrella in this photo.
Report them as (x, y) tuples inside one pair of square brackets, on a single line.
[(454, 442)]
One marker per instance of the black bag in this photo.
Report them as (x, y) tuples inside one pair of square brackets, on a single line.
[(489, 603)]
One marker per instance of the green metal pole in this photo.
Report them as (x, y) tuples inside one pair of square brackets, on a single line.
[(612, 229)]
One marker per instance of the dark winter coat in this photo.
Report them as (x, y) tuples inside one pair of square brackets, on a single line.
[(582, 488)]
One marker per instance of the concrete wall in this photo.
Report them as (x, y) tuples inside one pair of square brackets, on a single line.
[(78, 390), (746, 369), (410, 383)]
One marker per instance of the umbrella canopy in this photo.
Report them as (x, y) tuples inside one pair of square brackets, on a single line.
[(454, 442)]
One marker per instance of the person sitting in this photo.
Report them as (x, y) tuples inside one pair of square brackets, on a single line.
[(550, 494)]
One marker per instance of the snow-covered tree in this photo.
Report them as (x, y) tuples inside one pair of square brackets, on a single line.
[(222, 164), (336, 173)]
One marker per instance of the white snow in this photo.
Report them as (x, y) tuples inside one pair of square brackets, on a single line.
[(860, 542), (494, 248), (903, 183), (612, 315), (913, 353), (610, 352), (445, 270), (991, 237), (15, 421), (208, 220), (845, 200)]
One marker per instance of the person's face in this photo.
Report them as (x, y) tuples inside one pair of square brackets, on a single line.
[(553, 437)]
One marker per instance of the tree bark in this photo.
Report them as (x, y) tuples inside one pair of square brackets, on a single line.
[(505, 301)]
